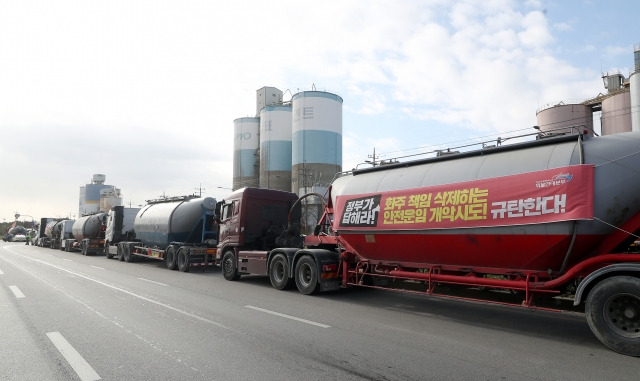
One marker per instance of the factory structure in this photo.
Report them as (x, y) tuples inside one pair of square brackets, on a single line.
[(98, 196), (296, 145), (619, 107), (293, 146)]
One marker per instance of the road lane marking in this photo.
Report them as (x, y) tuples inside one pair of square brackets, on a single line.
[(153, 281), (1, 273), (16, 291), (77, 362), (96, 267), (289, 317), (167, 306), (65, 259)]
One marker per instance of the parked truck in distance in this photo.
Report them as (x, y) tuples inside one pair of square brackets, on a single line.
[(178, 230), (53, 232), (60, 234), (88, 232), (66, 235), (119, 228), (41, 238), (540, 219)]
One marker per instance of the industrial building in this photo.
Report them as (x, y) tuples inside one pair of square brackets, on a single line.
[(98, 197), (292, 146), (619, 108)]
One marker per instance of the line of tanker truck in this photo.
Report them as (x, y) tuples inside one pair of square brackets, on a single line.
[(553, 217)]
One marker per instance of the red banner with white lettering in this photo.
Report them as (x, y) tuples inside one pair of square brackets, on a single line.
[(550, 195)]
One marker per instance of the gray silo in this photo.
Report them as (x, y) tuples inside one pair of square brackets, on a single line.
[(565, 118), (316, 140), (616, 117), (245, 152), (275, 148), (634, 90)]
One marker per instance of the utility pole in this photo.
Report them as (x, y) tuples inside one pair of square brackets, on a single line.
[(374, 157), (199, 189)]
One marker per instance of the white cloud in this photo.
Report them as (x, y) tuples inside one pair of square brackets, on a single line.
[(147, 91)]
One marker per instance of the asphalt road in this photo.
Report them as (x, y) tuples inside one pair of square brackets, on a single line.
[(64, 316)]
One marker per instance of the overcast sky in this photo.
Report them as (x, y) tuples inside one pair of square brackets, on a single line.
[(146, 92)]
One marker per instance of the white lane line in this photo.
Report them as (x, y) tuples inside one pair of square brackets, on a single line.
[(167, 306), (65, 259), (1, 273), (16, 291), (289, 317), (153, 281), (77, 362), (96, 267)]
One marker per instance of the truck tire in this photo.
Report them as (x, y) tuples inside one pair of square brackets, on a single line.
[(306, 275), (171, 258), (613, 313), (183, 260), (126, 254), (229, 266), (119, 255), (279, 272)]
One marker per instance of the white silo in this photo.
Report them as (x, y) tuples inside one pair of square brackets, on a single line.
[(275, 148), (245, 152), (634, 100), (565, 118), (316, 140)]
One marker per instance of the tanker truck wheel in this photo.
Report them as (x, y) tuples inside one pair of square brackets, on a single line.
[(613, 313), (229, 266), (183, 260), (306, 275), (172, 262), (279, 273), (126, 253), (119, 254)]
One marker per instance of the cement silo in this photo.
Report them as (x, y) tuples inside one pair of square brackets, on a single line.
[(90, 195), (245, 152), (634, 100), (275, 148), (316, 140), (110, 197), (565, 118), (616, 117)]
